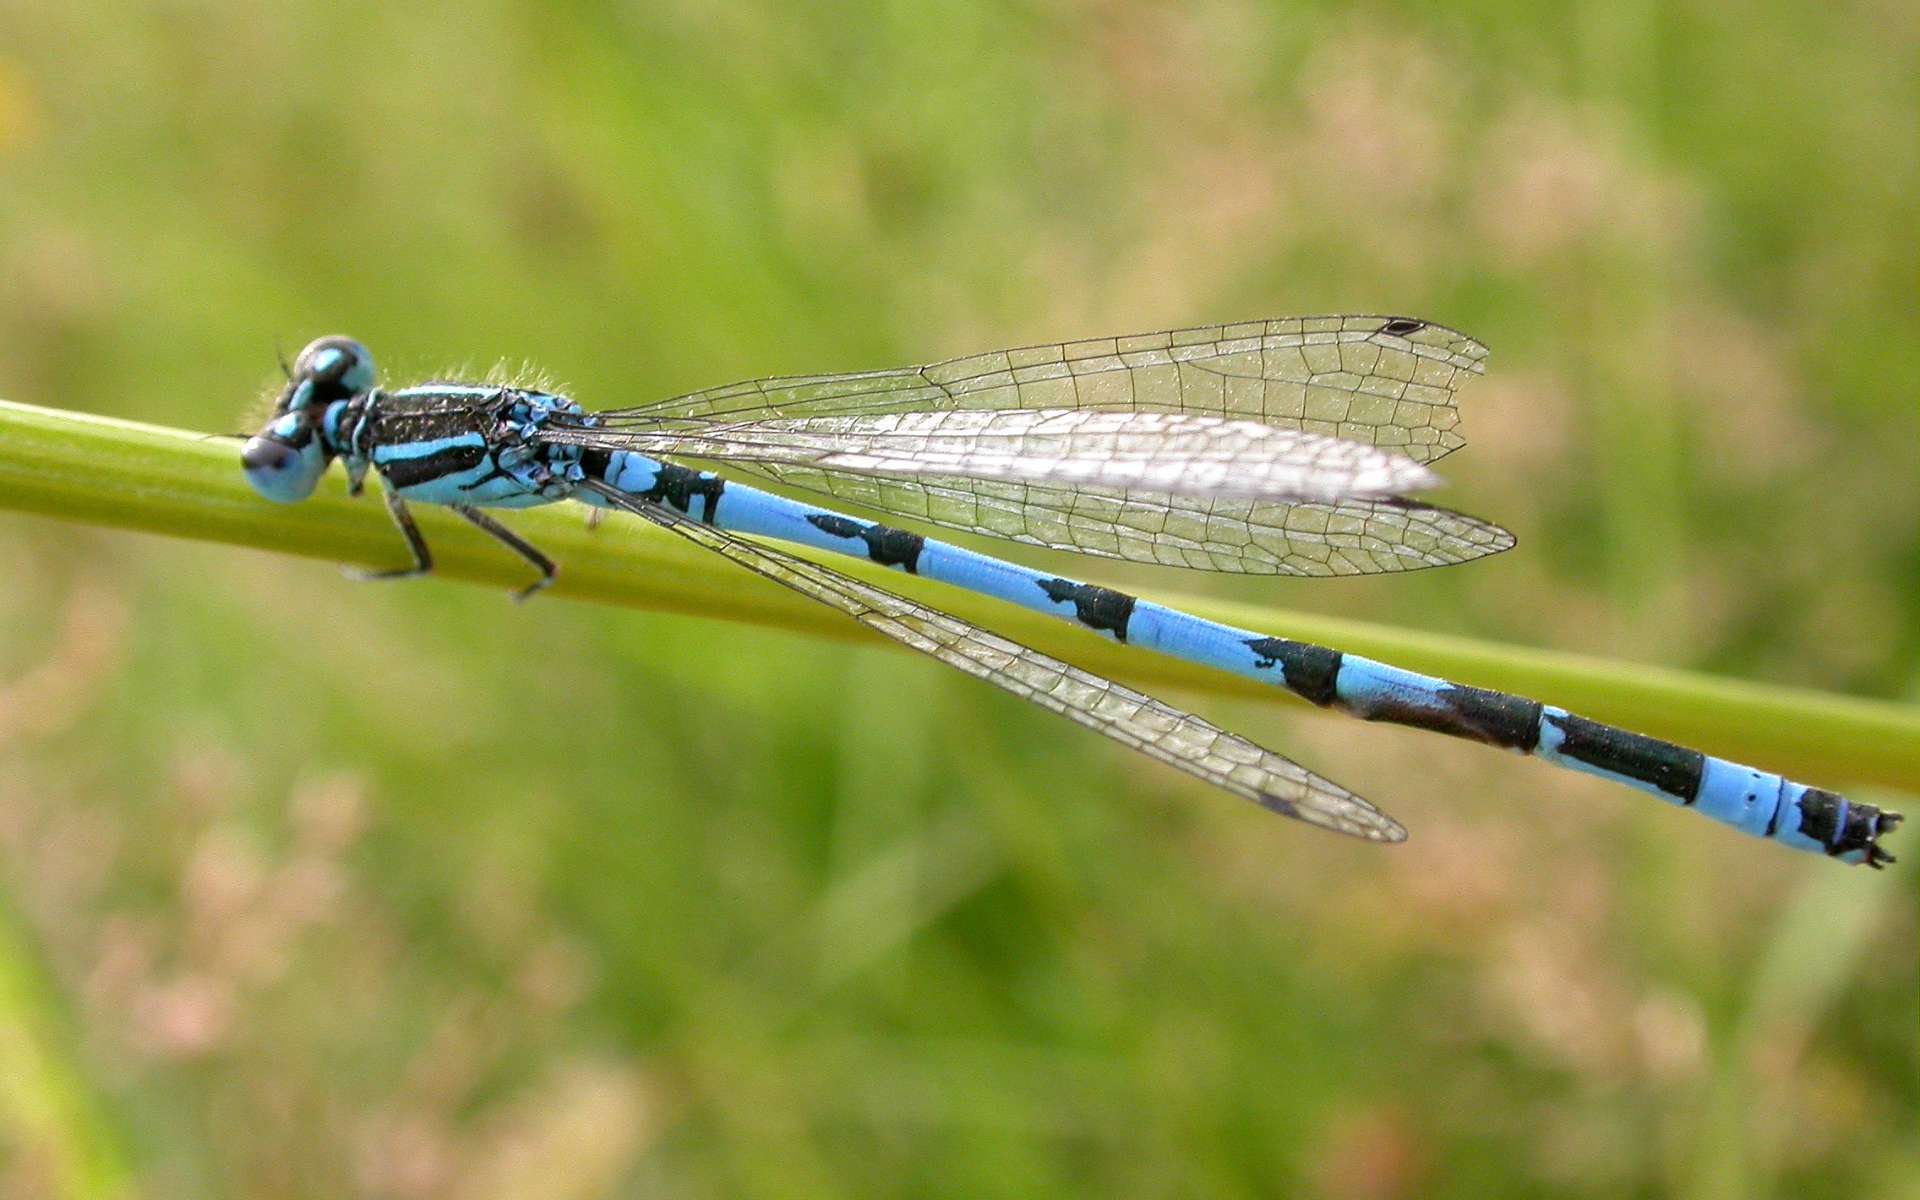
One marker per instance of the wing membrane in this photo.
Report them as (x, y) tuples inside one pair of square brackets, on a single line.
[(1246, 537), (1384, 381), (1181, 740), (1171, 453)]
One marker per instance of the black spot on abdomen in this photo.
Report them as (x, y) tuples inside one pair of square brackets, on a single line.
[(1673, 769), (1095, 607), (1478, 715), (677, 486), (1310, 672), (886, 545)]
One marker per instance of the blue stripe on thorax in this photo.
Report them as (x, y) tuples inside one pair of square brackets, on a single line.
[(389, 452)]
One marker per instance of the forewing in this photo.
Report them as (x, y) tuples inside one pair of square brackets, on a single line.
[(1171, 453), (1385, 381), (1181, 740)]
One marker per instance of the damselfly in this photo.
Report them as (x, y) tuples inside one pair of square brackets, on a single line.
[(1281, 447)]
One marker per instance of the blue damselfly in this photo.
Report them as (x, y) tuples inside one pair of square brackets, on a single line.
[(1279, 447)]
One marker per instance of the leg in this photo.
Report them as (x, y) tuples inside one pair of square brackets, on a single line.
[(403, 520), (515, 543)]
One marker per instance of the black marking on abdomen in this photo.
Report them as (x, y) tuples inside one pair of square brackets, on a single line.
[(1673, 769), (678, 486), (1843, 826), (1476, 714), (1309, 672), (886, 545), (1093, 606), (425, 468)]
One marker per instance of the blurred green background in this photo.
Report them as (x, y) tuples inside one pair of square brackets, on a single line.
[(312, 889)]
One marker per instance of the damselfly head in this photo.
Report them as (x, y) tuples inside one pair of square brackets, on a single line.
[(286, 459), (330, 368)]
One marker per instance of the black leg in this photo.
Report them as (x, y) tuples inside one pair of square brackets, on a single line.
[(515, 543), (403, 520)]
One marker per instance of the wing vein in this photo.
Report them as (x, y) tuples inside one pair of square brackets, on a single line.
[(1181, 740)]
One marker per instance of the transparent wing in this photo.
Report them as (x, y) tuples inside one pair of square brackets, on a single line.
[(1178, 739), (1247, 537), (1170, 453), (1385, 381)]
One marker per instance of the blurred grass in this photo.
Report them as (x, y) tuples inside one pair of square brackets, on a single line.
[(54, 1122), (405, 892)]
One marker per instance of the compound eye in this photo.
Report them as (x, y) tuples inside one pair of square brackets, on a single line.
[(266, 457), (335, 368)]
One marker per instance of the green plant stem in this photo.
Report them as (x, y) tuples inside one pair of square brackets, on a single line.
[(116, 473)]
